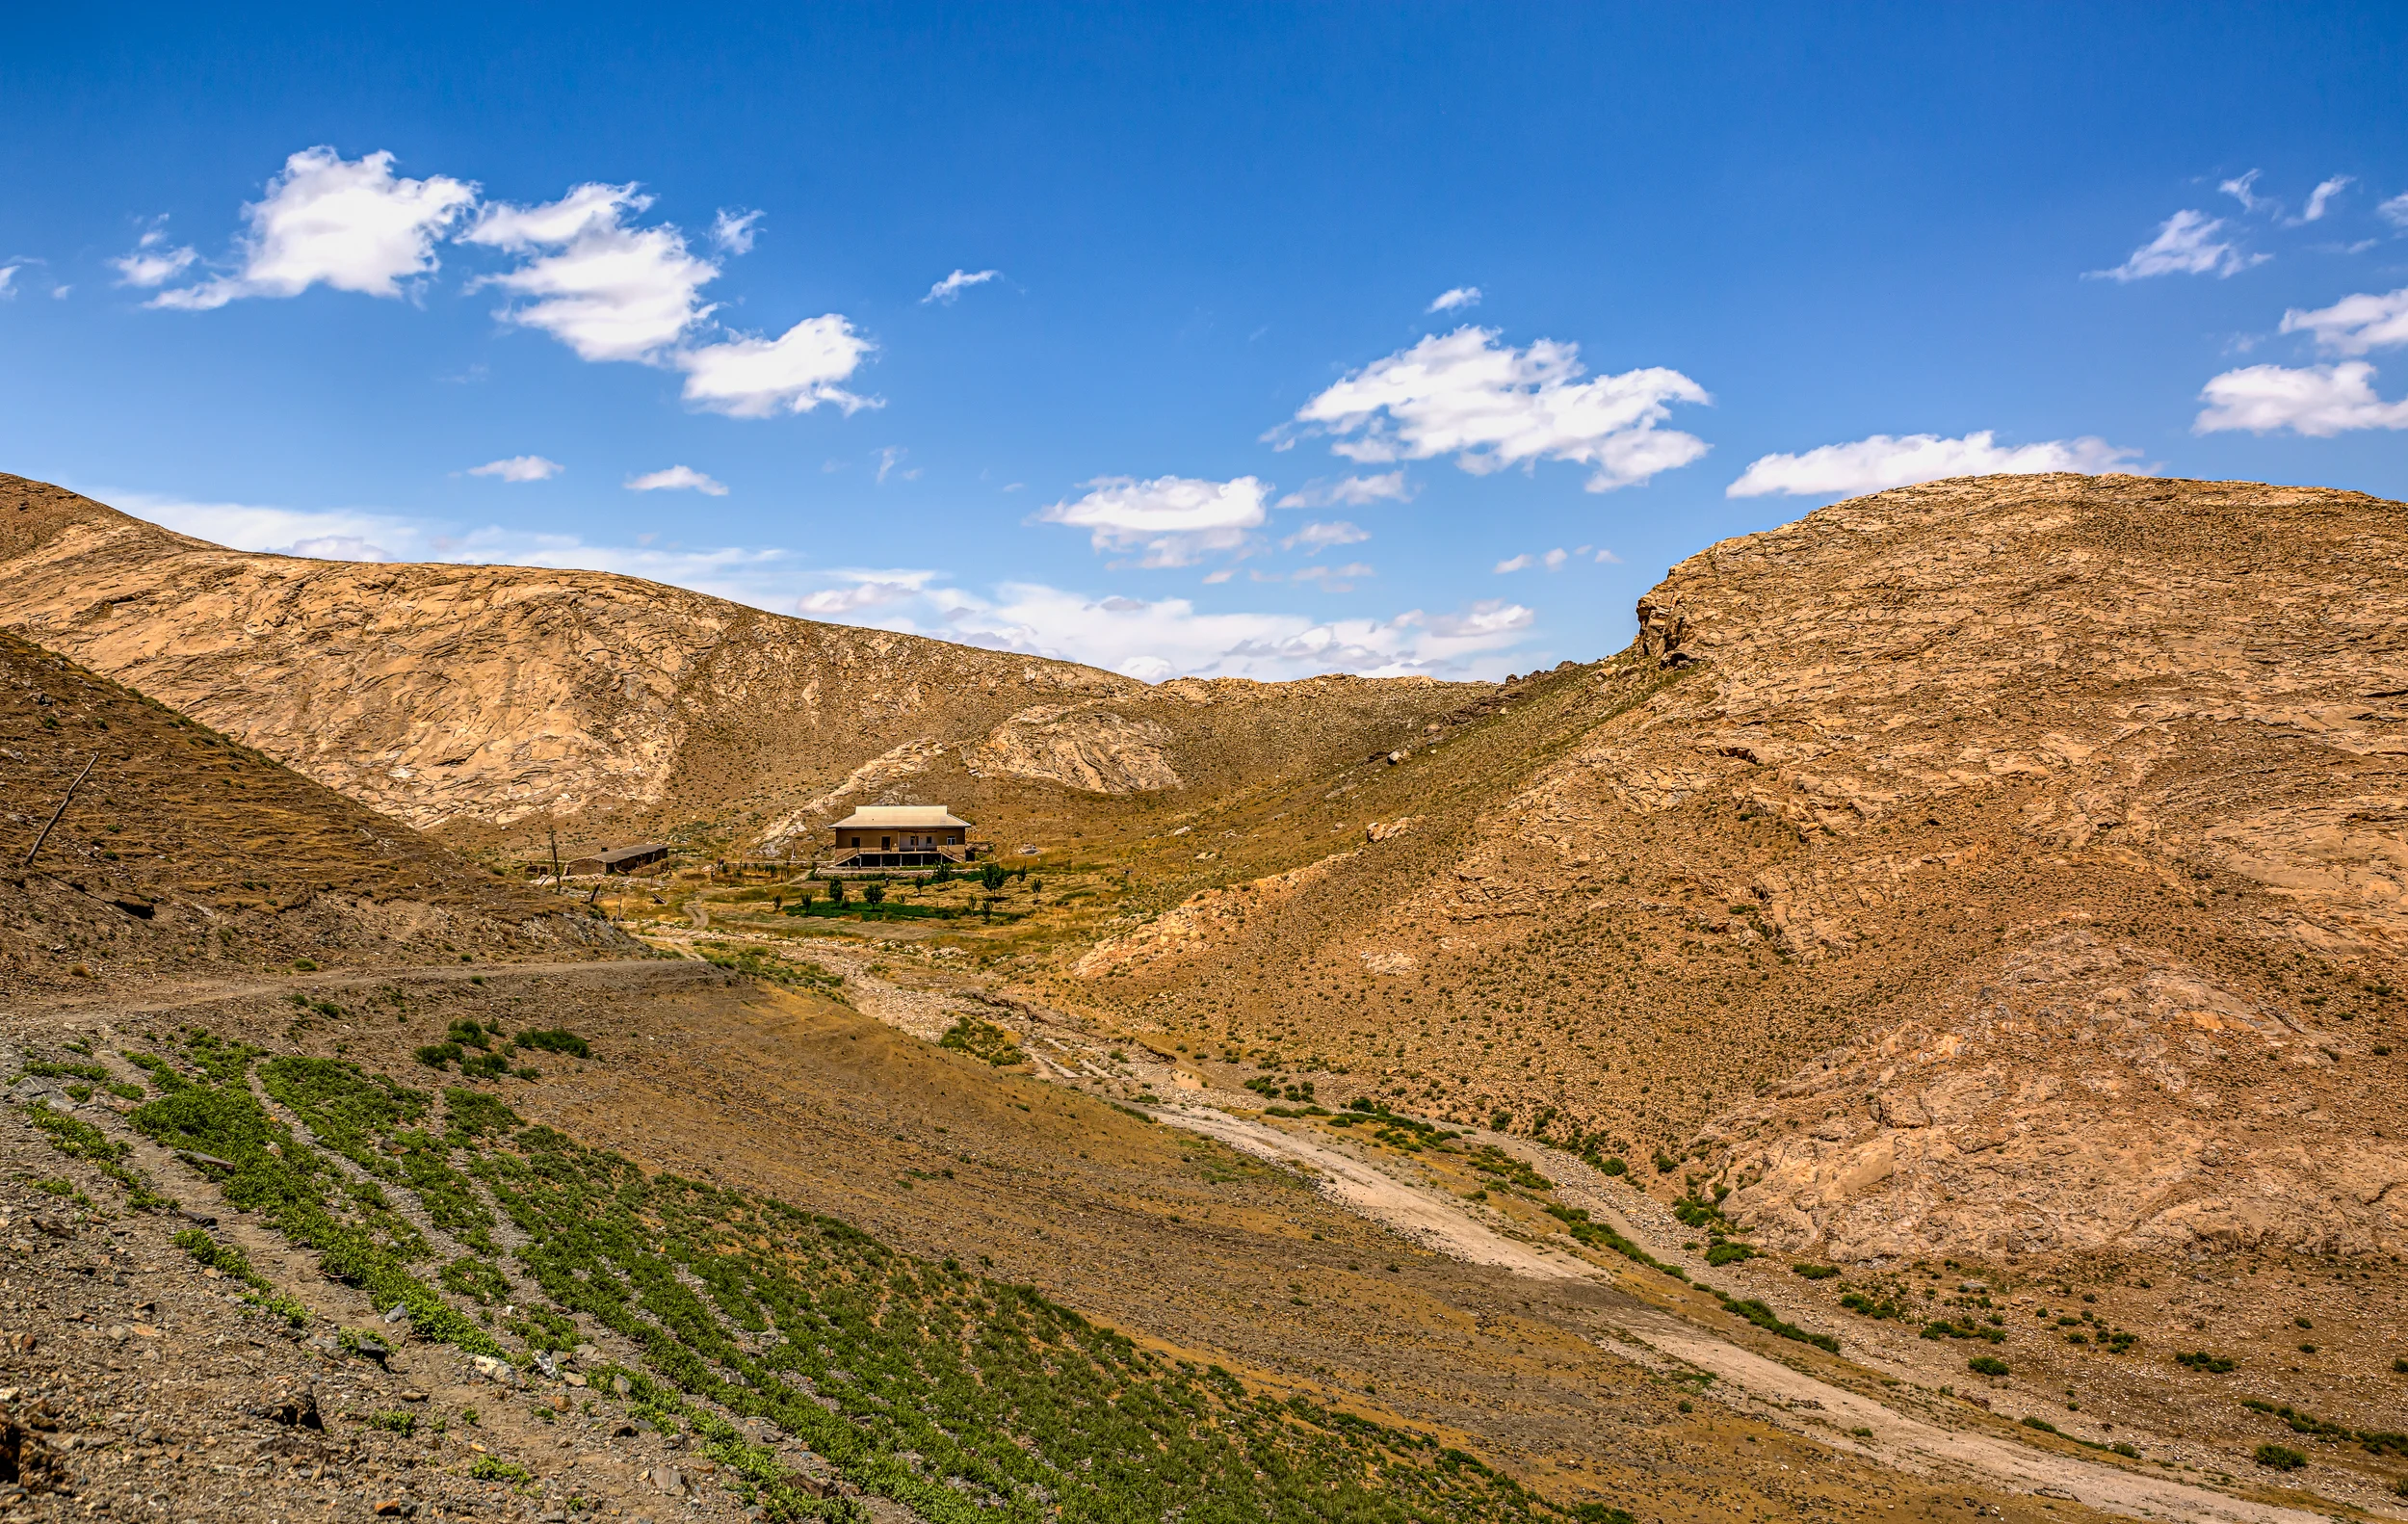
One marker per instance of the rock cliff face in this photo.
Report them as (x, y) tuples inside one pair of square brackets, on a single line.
[(1995, 865), (475, 698)]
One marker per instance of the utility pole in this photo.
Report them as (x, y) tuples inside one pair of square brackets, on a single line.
[(60, 810), (554, 833)]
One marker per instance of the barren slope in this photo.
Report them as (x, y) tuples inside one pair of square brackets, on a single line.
[(475, 698), (1997, 866), (183, 851)]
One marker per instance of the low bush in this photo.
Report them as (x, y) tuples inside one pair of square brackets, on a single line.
[(1986, 1365), (2279, 1457), (1815, 1272), (555, 1040)]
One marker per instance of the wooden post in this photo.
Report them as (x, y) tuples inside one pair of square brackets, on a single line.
[(554, 833), (60, 810)]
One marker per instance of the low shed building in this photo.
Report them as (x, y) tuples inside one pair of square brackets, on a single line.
[(618, 860)]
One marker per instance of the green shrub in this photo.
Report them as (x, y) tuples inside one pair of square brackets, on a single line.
[(396, 1422), (1815, 1272), (2202, 1360), (493, 1468), (2041, 1424), (1729, 1254), (2279, 1457), (1986, 1365), (1613, 1165), (556, 1039)]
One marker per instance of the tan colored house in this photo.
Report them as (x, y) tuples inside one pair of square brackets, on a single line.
[(902, 836)]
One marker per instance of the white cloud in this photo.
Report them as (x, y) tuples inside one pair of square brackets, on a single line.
[(1174, 520), (1492, 407), (2240, 191), (2320, 401), (1171, 637), (8, 282), (2185, 244), (1319, 536), (518, 468), (2355, 324), (1520, 563), (1452, 297), (1553, 560), (607, 290), (676, 478), (1334, 579), (733, 231), (152, 263), (949, 289), (2395, 211), (890, 463), (2322, 196), (1885, 460), (1606, 558), (857, 589), (346, 223), (752, 377), (1353, 492)]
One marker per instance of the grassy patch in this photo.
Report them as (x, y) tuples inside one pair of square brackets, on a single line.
[(983, 1040)]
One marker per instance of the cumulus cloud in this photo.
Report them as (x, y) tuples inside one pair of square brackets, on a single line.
[(1353, 492), (949, 289), (152, 263), (1491, 406), (2395, 211), (676, 478), (753, 377), (1165, 638), (2320, 401), (857, 589), (1174, 520), (611, 290), (8, 282), (2354, 325), (1319, 536), (2185, 244), (518, 468), (1452, 297), (1886, 460), (351, 225), (608, 290), (1553, 560), (733, 231), (2322, 197)]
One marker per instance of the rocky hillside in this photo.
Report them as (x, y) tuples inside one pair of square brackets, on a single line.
[(489, 701), (1993, 866), (167, 848)]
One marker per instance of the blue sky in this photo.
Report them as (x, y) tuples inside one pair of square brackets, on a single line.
[(1257, 340)]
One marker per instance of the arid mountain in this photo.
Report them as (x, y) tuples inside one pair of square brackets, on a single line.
[(167, 848), (1993, 866), (492, 701)]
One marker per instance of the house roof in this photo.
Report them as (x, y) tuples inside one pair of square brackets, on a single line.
[(891, 817)]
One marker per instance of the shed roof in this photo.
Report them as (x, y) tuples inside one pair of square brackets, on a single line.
[(650, 849), (889, 817)]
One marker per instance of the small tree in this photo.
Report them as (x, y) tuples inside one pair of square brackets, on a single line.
[(835, 892), (874, 892), (992, 876)]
